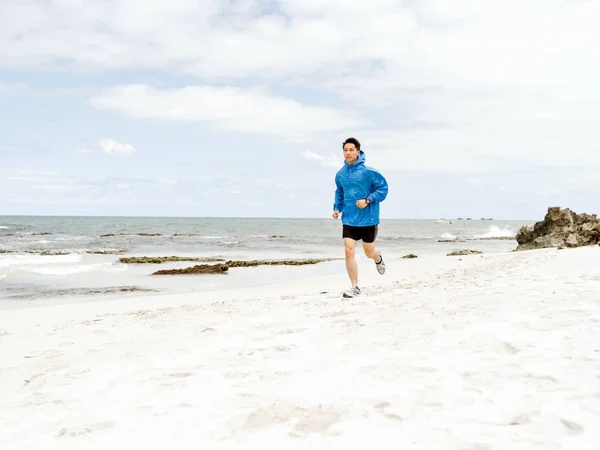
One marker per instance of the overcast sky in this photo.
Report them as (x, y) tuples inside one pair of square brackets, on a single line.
[(239, 108)]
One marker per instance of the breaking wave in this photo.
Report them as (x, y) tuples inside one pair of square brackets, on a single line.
[(497, 232)]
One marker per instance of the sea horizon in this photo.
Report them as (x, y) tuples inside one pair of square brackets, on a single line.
[(382, 218)]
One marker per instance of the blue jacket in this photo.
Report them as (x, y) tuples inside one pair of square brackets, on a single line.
[(354, 182)]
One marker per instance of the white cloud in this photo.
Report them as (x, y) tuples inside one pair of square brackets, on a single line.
[(325, 161), (502, 87), (115, 148), (218, 38), (431, 85), (250, 110), (108, 146)]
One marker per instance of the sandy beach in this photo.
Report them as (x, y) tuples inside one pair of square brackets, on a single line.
[(481, 352)]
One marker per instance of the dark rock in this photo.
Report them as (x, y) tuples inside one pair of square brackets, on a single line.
[(280, 262), (46, 253), (106, 252), (560, 228), (496, 238), (163, 259), (223, 268), (185, 234), (410, 256), (130, 234), (136, 289), (464, 252), (197, 269), (43, 233), (492, 238)]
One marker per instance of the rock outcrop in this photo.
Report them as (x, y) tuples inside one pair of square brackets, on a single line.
[(278, 262), (197, 269), (491, 238), (464, 252), (164, 259), (224, 267), (130, 234), (560, 228)]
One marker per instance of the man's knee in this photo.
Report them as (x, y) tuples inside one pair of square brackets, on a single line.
[(369, 250), (350, 251)]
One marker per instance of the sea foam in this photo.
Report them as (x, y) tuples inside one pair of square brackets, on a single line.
[(495, 232)]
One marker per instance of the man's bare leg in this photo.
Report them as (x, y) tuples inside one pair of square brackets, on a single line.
[(371, 251), (351, 266)]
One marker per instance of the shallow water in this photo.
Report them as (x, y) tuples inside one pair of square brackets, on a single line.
[(46, 257)]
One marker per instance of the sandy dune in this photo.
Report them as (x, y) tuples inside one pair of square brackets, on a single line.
[(473, 353)]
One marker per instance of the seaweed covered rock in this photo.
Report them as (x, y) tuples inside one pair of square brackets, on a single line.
[(560, 228), (195, 270), (130, 234), (464, 252), (224, 267), (164, 259), (277, 262)]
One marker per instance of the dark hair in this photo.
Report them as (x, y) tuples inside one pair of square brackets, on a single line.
[(352, 140)]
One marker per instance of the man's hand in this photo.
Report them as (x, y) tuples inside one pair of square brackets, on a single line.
[(361, 203), (335, 214)]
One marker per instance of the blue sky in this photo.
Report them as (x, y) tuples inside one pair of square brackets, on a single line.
[(469, 108)]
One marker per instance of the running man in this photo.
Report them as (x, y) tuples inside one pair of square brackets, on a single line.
[(359, 191)]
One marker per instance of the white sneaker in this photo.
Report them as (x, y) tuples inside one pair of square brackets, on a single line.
[(380, 265), (352, 292)]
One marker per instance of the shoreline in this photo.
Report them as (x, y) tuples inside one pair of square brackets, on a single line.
[(106, 272)]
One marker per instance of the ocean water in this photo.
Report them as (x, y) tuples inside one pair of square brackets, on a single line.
[(44, 259)]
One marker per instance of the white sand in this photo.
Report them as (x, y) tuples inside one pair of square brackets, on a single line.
[(493, 352)]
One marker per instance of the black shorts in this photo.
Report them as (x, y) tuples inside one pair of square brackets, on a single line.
[(366, 234)]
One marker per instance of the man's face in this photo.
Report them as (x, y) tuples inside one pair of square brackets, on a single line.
[(350, 153)]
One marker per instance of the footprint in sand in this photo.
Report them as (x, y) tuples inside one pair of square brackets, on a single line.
[(382, 407), (284, 348), (181, 375), (306, 420), (510, 348), (333, 314), (292, 331), (573, 428), (78, 431)]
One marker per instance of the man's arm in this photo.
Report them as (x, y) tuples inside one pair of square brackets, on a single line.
[(338, 203), (379, 187)]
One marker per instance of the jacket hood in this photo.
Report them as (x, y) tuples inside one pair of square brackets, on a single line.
[(360, 160)]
